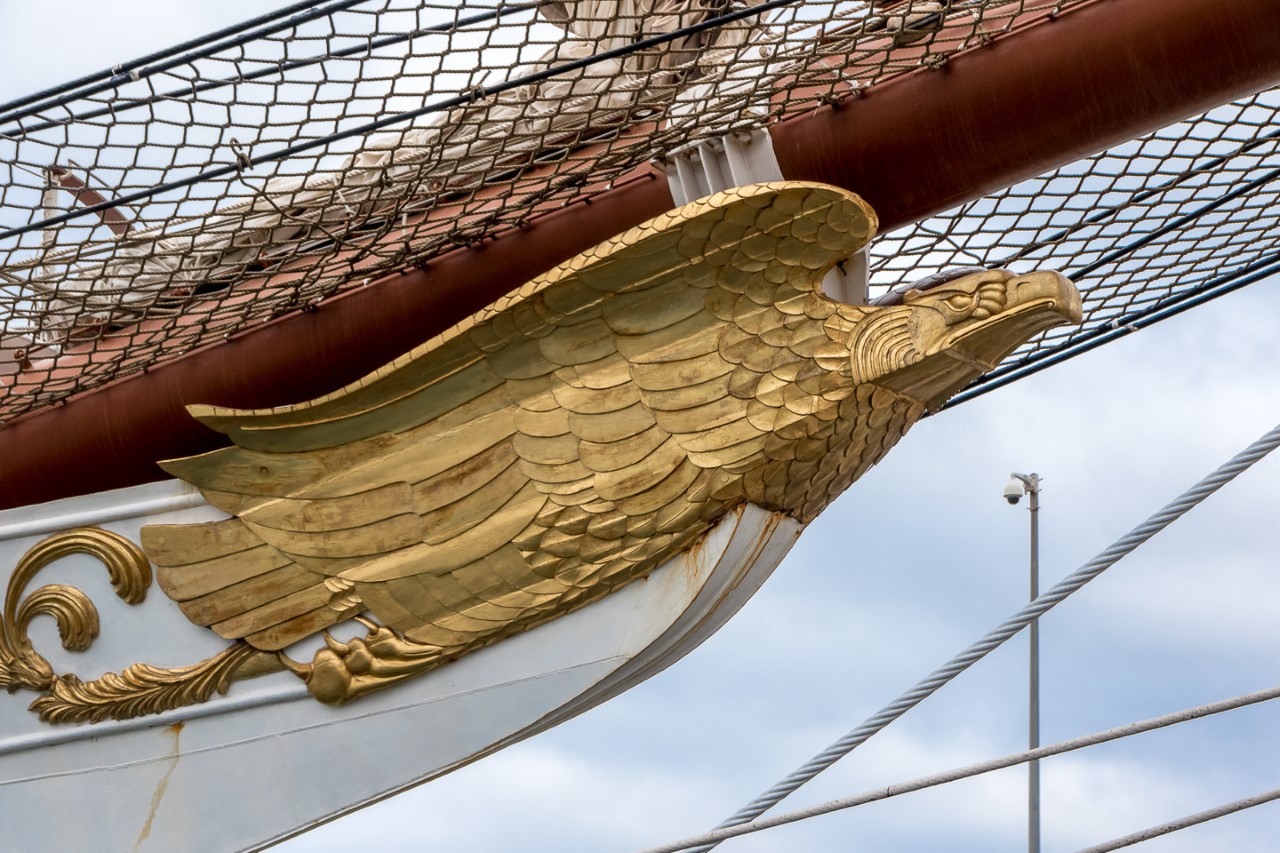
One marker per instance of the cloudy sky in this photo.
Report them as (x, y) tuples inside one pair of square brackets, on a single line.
[(912, 564)]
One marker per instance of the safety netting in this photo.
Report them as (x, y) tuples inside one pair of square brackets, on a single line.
[(176, 200)]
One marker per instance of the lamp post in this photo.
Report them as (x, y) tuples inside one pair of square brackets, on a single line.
[(1030, 485)]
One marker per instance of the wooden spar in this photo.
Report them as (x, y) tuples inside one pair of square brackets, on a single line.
[(1099, 74)]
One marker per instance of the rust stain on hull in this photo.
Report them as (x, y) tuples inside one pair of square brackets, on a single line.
[(158, 795)]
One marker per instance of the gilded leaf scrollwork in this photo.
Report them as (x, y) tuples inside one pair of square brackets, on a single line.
[(21, 666), (139, 689), (555, 446)]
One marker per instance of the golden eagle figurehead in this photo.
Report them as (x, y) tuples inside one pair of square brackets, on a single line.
[(577, 433)]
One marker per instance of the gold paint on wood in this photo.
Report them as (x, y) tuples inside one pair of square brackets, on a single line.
[(143, 689), (575, 434), (342, 672), (21, 667)]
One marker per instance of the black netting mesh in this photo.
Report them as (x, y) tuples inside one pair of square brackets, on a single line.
[(167, 204)]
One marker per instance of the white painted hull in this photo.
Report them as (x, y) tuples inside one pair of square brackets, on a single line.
[(267, 761)]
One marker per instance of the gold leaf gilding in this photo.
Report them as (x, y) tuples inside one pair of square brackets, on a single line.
[(141, 689), (577, 433), (130, 573)]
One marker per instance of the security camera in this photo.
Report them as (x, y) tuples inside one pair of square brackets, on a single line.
[(1013, 491)]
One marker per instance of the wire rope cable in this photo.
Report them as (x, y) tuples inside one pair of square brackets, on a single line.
[(1184, 823), (222, 39), (116, 75), (1148, 193), (996, 638), (360, 130), (713, 838), (1176, 304), (367, 46), (160, 195)]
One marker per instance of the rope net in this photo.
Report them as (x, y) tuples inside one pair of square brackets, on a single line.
[(174, 201)]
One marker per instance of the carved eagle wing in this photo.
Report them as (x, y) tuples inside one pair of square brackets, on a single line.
[(546, 450)]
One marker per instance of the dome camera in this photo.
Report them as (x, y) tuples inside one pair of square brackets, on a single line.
[(1013, 491)]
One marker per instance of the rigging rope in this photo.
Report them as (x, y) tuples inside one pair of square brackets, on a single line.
[(173, 136), (478, 94), (996, 638), (711, 839), (1111, 211), (130, 71), (1118, 327), (1184, 823), (1150, 224), (114, 108)]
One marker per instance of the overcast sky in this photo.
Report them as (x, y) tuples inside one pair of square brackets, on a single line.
[(914, 562)]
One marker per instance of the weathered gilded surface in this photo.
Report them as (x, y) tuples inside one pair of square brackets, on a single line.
[(140, 689), (143, 689), (21, 667), (575, 434)]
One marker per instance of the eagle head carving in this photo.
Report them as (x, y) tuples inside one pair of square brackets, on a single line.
[(930, 343)]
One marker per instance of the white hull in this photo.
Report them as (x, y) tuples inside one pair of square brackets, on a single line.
[(267, 761)]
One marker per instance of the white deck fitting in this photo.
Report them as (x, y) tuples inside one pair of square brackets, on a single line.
[(746, 157)]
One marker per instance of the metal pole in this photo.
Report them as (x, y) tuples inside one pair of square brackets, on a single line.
[(1033, 727), (982, 647)]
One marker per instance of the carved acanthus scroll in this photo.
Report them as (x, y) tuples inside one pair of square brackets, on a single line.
[(20, 665), (140, 689)]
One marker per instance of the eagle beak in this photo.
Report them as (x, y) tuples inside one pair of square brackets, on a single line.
[(1012, 310), (1033, 303)]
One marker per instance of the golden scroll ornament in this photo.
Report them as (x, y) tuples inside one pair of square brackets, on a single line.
[(130, 573)]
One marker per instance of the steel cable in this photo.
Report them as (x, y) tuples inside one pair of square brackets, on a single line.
[(165, 59), (200, 170), (1184, 823), (115, 108), (1179, 303), (920, 783), (996, 638), (471, 97)]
